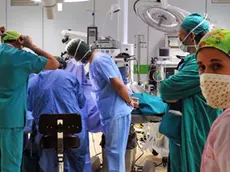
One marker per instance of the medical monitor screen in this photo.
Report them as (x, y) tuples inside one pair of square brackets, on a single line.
[(163, 52)]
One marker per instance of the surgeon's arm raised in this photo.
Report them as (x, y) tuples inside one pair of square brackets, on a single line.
[(52, 63)]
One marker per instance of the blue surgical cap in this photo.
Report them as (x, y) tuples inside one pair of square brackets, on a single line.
[(192, 20)]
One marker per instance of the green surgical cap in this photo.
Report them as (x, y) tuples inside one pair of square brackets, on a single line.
[(193, 20), (218, 38), (11, 36)]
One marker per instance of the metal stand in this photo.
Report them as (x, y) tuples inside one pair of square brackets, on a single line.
[(58, 130), (60, 146), (139, 45)]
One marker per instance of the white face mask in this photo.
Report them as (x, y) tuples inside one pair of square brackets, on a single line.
[(216, 89)]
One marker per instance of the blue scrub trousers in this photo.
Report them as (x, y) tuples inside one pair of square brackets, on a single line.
[(116, 133), (11, 148)]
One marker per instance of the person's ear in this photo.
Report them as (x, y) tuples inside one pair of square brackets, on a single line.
[(2, 30), (20, 40)]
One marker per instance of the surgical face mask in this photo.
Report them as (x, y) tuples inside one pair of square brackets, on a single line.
[(183, 47), (216, 89)]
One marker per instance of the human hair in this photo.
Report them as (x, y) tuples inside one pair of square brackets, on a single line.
[(9, 41), (62, 63), (199, 36)]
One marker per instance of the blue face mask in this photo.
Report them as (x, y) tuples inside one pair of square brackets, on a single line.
[(184, 48)]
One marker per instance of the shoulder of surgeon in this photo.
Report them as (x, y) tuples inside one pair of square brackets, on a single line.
[(99, 57), (190, 57), (4, 48), (59, 73), (12, 52), (190, 61)]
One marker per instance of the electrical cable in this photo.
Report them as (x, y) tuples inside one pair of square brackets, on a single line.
[(142, 153), (158, 165)]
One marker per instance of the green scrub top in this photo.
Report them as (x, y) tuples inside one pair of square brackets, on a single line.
[(197, 116), (15, 67)]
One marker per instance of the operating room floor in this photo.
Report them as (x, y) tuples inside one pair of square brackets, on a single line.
[(147, 156)]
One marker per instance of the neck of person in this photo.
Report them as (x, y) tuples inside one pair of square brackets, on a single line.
[(13, 44), (10, 44), (91, 57), (192, 50)]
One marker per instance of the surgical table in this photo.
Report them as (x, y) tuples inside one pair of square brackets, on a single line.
[(131, 151), (142, 118), (131, 154)]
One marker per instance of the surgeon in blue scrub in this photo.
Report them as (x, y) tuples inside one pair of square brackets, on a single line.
[(112, 98), (58, 92), (92, 115), (15, 67)]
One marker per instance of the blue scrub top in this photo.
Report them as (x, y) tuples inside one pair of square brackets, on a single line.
[(77, 69), (92, 115), (109, 103), (29, 122), (54, 92), (15, 67)]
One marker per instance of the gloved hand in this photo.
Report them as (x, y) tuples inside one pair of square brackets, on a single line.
[(134, 102), (2, 30)]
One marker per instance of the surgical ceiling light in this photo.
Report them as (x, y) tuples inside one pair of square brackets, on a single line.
[(160, 15)]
